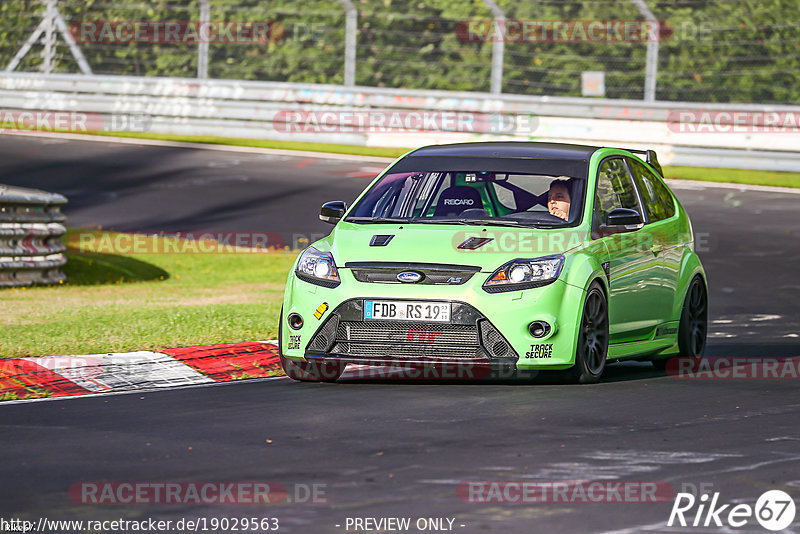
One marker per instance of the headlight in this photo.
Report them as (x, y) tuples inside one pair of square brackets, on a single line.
[(318, 268), (525, 274)]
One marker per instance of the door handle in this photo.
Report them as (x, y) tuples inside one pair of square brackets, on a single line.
[(656, 248)]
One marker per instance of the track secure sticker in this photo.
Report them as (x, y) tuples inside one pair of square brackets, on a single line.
[(294, 342), (544, 350), (320, 311)]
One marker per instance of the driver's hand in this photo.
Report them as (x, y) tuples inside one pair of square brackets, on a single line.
[(559, 213)]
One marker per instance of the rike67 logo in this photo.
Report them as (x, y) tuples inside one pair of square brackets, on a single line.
[(774, 510)]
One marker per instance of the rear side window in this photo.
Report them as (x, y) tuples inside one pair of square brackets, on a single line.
[(656, 197), (614, 189)]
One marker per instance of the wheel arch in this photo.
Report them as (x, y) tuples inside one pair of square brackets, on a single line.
[(586, 267), (582, 277), (690, 268)]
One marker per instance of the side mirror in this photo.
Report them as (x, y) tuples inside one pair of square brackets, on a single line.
[(623, 217), (332, 212)]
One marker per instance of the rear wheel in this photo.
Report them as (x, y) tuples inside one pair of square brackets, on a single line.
[(694, 321), (693, 325), (590, 358), (307, 371)]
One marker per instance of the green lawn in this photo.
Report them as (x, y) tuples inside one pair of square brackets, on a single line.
[(737, 176), (382, 152), (116, 302), (707, 174)]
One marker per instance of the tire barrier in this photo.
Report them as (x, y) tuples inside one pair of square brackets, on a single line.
[(31, 250)]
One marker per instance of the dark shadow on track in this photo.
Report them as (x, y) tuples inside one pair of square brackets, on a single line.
[(615, 372)]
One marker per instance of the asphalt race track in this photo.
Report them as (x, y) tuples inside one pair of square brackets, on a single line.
[(401, 449)]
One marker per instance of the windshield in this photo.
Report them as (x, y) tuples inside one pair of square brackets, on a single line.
[(469, 197)]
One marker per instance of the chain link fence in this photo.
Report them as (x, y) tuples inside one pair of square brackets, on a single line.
[(703, 51)]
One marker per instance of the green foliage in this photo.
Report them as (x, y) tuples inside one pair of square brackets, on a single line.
[(123, 302), (711, 51)]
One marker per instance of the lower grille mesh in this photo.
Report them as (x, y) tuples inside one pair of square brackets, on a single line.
[(492, 340), (407, 340), (411, 332), (470, 336), (415, 352), (325, 337)]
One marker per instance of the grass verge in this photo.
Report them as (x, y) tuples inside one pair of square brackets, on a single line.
[(382, 152), (735, 176), (124, 302)]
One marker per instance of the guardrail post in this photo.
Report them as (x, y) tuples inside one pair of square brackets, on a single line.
[(202, 44), (651, 63), (498, 48), (350, 31), (31, 251)]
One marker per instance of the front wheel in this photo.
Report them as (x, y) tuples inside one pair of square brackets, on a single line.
[(590, 358), (307, 371)]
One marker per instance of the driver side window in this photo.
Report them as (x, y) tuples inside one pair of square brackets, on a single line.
[(614, 190)]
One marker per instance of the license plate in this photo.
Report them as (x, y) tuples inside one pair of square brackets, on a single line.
[(407, 310)]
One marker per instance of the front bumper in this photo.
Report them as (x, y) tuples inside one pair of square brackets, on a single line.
[(469, 336), (484, 328)]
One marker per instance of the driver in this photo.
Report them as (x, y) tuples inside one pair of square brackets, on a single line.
[(558, 199)]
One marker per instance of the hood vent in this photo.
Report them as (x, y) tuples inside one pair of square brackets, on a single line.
[(474, 242), (380, 240)]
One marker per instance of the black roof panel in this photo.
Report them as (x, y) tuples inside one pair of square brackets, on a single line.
[(508, 149)]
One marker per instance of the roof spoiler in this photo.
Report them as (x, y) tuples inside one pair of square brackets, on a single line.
[(651, 159)]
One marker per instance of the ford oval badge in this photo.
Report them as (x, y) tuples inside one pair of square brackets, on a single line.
[(409, 277)]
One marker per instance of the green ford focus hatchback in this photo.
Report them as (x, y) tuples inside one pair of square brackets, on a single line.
[(516, 256)]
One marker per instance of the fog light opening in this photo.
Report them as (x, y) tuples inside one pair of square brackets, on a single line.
[(295, 321), (539, 329)]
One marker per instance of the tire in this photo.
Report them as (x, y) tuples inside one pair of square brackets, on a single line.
[(693, 326), (592, 350), (694, 321), (307, 371)]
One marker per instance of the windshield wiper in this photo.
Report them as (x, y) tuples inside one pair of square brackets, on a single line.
[(377, 219), (422, 220), (468, 222), (477, 222), (496, 222)]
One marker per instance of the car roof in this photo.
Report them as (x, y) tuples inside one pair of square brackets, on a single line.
[(554, 159), (509, 149)]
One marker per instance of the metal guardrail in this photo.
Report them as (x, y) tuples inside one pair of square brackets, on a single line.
[(254, 109), (31, 250)]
